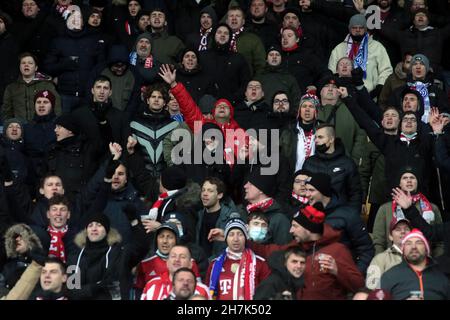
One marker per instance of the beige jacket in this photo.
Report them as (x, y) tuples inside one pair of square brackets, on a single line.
[(381, 263)]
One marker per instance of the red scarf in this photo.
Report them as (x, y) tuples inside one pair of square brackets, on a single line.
[(56, 243), (354, 50), (244, 278), (425, 208), (262, 205), (153, 213), (299, 198), (290, 49)]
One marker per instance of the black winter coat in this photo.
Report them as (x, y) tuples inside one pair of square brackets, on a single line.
[(71, 58), (38, 135), (34, 35), (75, 160), (398, 154), (253, 116), (304, 66), (429, 42), (197, 82), (9, 50), (345, 179), (89, 126), (229, 71), (354, 233)]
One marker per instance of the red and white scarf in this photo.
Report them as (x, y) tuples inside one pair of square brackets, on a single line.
[(305, 146), (153, 213), (425, 208), (234, 38), (408, 137), (303, 200), (262, 205), (204, 39), (56, 243), (244, 277)]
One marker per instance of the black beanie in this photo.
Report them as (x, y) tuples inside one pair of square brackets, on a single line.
[(412, 170), (311, 218), (173, 178), (322, 182), (67, 122), (303, 172), (100, 218), (265, 183)]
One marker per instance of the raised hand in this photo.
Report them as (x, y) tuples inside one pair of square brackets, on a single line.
[(216, 234), (131, 144), (168, 75), (343, 92), (403, 199), (115, 149), (359, 5)]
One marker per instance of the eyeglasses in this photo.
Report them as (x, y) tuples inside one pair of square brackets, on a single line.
[(409, 120), (278, 101)]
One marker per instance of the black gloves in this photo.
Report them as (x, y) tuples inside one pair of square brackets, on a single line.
[(357, 77), (111, 168), (38, 255), (376, 92), (130, 211)]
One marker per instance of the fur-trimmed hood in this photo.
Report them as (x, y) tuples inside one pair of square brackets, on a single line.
[(27, 235), (113, 237)]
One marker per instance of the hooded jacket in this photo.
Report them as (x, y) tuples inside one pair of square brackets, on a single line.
[(99, 265), (279, 281), (17, 263), (320, 285)]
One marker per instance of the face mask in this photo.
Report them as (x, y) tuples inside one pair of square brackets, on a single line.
[(258, 234), (322, 148)]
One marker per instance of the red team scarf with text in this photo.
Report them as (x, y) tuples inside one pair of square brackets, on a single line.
[(56, 243), (299, 198), (262, 205), (234, 38)]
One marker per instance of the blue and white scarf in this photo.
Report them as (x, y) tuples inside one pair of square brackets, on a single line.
[(422, 88), (360, 60), (361, 57)]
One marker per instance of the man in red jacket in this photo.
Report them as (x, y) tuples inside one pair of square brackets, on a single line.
[(330, 272), (222, 114)]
